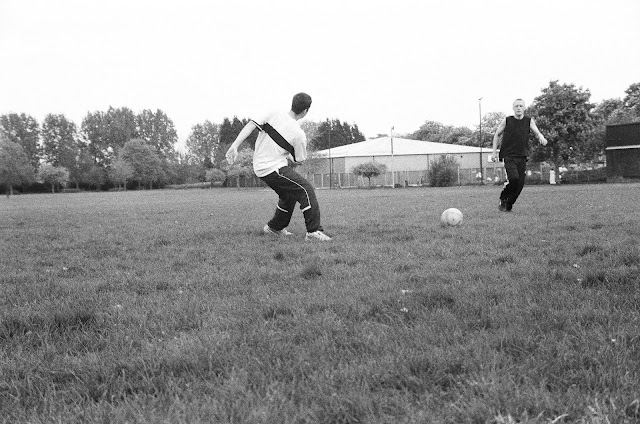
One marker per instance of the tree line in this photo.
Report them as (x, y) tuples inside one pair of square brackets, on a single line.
[(119, 148), (59, 152)]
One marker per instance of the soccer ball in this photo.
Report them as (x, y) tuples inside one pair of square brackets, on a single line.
[(452, 217)]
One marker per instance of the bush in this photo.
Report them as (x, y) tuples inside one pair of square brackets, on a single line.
[(369, 170), (443, 172), (215, 175)]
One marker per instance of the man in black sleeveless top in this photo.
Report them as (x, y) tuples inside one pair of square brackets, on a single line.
[(514, 149)]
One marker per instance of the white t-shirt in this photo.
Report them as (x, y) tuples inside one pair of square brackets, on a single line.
[(269, 156)]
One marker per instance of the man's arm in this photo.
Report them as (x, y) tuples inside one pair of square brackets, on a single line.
[(300, 149), (232, 152), (497, 137), (537, 132)]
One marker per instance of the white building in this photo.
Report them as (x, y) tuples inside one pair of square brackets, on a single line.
[(407, 162)]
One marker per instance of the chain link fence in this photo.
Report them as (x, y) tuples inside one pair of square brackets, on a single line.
[(536, 174)]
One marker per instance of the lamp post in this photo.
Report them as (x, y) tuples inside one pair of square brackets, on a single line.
[(393, 179), (481, 143), (330, 160)]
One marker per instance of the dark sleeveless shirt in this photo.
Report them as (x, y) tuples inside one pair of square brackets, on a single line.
[(515, 140)]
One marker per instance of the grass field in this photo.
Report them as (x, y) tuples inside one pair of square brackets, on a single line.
[(173, 307)]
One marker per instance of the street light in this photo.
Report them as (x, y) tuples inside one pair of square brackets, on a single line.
[(481, 143), (393, 179), (330, 160)]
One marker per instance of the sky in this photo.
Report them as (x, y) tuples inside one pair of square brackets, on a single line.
[(376, 64)]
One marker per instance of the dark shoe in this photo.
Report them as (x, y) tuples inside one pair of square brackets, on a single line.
[(503, 206)]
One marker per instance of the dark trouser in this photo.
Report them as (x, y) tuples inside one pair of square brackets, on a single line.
[(293, 188), (516, 172)]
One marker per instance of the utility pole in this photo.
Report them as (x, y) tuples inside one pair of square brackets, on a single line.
[(481, 143), (330, 160), (393, 179)]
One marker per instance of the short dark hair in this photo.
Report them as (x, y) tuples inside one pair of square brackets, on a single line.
[(300, 103)]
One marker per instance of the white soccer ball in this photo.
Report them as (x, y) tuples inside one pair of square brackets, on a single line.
[(452, 217)]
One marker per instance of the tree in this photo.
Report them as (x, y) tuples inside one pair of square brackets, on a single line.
[(438, 133), (15, 168), (60, 146), (85, 167), (25, 131), (562, 113), (601, 116), (144, 160), (228, 131), (95, 135), (215, 175), (622, 116), (490, 123), (157, 129), (242, 167), (462, 135), (250, 142), (429, 131), (442, 173), (96, 176), (616, 111), (310, 129), (202, 143), (603, 110), (121, 172), (333, 133), (120, 125), (107, 132), (53, 175), (632, 99), (236, 126), (356, 134), (369, 170), (186, 169)]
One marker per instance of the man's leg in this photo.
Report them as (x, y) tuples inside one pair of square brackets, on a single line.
[(284, 211), (521, 164), (292, 188), (513, 181)]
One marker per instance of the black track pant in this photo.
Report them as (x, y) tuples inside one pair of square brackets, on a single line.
[(516, 168), (293, 188)]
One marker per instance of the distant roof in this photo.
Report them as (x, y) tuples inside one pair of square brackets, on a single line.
[(401, 146)]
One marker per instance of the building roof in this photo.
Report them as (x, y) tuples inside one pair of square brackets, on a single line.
[(401, 146)]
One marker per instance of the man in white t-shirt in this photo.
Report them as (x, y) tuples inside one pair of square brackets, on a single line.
[(281, 139)]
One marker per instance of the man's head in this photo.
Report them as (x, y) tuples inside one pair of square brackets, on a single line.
[(300, 104), (518, 108)]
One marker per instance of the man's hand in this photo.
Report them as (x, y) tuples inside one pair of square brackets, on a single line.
[(494, 157), (232, 154), (543, 141)]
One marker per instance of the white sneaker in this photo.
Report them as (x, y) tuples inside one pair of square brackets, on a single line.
[(283, 232), (317, 235)]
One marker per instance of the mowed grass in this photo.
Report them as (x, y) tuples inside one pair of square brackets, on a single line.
[(173, 307)]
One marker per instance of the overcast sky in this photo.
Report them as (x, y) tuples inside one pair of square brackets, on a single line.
[(373, 63)]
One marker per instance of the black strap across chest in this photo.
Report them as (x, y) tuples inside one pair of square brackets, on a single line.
[(277, 137)]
